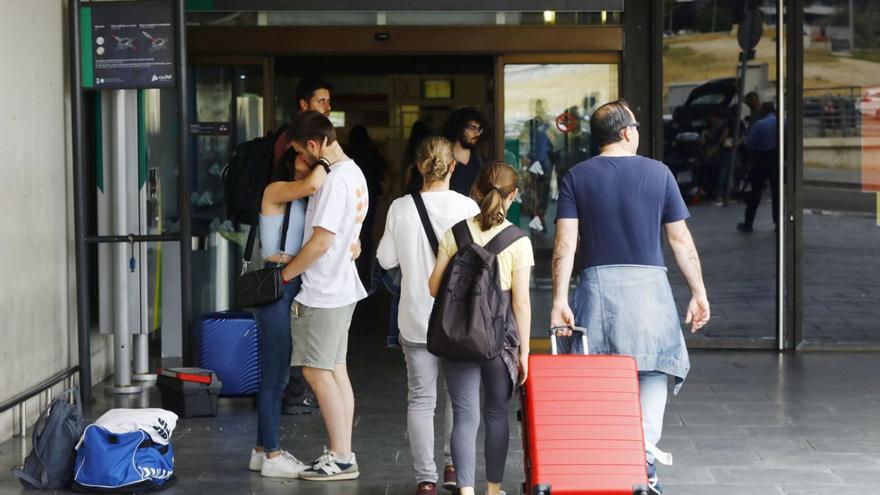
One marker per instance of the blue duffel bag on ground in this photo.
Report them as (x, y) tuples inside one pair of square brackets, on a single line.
[(129, 462)]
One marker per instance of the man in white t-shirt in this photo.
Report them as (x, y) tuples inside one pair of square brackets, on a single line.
[(321, 312)]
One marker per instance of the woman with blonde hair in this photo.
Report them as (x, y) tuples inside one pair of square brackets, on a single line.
[(407, 243), (494, 190)]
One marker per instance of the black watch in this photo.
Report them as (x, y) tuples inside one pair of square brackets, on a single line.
[(324, 163)]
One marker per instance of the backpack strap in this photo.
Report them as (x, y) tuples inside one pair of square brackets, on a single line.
[(426, 222), (504, 239), (462, 234)]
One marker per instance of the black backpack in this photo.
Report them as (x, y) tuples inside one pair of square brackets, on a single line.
[(472, 315), (56, 432), (249, 170)]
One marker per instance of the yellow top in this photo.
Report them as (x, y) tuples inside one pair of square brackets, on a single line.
[(517, 255)]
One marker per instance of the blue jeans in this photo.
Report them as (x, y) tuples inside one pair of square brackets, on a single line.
[(391, 280), (273, 321), (653, 391)]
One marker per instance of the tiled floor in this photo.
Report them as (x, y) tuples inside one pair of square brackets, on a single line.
[(745, 423)]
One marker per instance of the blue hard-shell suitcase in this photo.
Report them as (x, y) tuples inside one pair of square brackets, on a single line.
[(229, 345)]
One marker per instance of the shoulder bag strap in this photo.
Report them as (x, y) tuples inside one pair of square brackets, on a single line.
[(249, 247), (426, 222), (504, 239), (284, 227), (462, 234)]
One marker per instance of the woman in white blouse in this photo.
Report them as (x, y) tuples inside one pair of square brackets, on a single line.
[(406, 244)]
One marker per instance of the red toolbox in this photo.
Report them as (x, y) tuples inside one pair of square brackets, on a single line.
[(582, 425)]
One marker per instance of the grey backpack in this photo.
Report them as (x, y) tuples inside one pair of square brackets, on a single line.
[(472, 315), (56, 432)]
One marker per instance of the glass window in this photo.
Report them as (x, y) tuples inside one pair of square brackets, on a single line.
[(841, 173), (404, 18), (729, 189), (547, 109)]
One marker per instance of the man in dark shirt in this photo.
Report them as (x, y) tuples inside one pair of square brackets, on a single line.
[(762, 145), (463, 128), (619, 204)]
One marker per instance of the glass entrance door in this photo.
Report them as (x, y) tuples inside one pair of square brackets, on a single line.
[(544, 119), (227, 109)]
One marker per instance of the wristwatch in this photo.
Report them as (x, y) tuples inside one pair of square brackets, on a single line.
[(324, 163)]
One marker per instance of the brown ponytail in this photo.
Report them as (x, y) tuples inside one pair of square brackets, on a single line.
[(495, 183)]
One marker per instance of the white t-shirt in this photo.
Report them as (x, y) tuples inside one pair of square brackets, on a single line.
[(340, 206), (404, 243)]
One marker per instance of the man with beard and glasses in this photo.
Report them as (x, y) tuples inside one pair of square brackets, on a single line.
[(463, 128)]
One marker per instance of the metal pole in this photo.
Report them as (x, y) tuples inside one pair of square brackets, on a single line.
[(80, 203), (183, 185), (120, 147), (780, 184), (22, 419), (852, 26), (714, 14), (744, 65)]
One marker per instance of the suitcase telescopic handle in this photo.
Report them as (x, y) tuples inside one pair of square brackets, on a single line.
[(554, 330)]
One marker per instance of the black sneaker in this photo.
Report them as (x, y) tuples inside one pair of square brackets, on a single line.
[(304, 404), (654, 487), (744, 227)]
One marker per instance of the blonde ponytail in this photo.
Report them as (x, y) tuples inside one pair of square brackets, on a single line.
[(433, 159)]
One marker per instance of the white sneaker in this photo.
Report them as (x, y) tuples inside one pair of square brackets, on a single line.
[(256, 462), (329, 468), (283, 466)]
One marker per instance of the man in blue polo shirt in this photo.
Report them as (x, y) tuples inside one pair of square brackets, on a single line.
[(619, 204)]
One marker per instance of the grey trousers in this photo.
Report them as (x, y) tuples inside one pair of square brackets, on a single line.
[(422, 370), (463, 380)]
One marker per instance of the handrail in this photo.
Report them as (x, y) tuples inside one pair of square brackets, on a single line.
[(37, 389)]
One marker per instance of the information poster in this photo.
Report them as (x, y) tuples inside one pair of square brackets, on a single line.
[(131, 45)]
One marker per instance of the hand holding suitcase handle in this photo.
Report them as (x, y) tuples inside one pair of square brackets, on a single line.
[(567, 331)]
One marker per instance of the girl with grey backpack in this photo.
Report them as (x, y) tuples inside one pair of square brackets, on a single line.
[(480, 323)]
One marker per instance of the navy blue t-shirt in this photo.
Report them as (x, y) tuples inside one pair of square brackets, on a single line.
[(620, 204)]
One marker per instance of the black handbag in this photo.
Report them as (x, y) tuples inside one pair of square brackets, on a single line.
[(264, 286)]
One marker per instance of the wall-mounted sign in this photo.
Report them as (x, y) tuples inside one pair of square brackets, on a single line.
[(437, 89), (128, 45)]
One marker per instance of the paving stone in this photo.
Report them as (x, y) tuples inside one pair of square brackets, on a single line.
[(764, 476)]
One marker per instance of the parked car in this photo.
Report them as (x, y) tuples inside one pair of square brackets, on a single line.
[(681, 136)]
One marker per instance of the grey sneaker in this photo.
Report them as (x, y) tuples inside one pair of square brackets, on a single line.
[(329, 468), (283, 466)]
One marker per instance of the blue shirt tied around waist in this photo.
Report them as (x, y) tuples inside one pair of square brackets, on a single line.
[(623, 296), (270, 231)]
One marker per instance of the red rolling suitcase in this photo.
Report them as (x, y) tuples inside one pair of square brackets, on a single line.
[(582, 425)]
